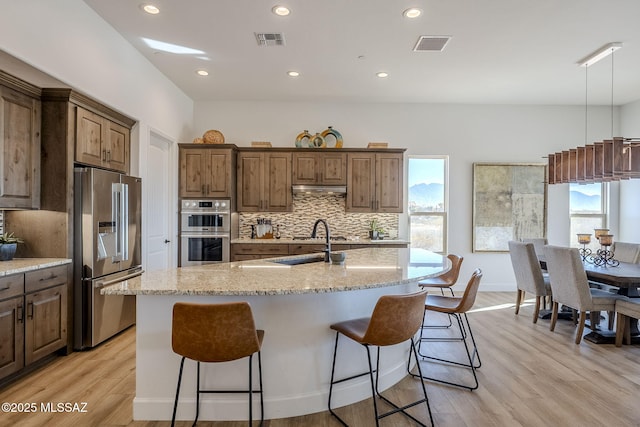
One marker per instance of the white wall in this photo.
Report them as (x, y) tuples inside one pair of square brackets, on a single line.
[(69, 41), (467, 133)]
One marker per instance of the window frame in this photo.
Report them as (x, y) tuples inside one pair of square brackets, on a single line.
[(444, 214), (603, 214)]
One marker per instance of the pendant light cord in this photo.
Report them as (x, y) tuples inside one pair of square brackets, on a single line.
[(586, 89), (612, 55)]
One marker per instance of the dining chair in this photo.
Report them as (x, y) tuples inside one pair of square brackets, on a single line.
[(215, 333), (529, 277), (458, 308), (626, 252), (538, 244), (395, 319), (626, 309), (570, 287)]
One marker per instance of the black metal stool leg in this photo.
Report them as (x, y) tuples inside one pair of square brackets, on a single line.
[(197, 396), (175, 402), (261, 395)]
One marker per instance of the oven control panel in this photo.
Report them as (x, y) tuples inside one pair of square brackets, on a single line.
[(205, 205)]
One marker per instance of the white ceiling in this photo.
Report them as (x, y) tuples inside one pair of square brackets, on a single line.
[(501, 51)]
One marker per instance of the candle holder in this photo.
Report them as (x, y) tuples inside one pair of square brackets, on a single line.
[(584, 239), (604, 257)]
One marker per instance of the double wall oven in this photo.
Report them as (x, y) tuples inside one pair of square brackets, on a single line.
[(205, 232)]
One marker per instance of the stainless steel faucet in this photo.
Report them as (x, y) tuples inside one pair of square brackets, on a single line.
[(327, 250)]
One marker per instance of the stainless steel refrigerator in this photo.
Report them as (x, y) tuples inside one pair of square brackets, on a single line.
[(107, 237)]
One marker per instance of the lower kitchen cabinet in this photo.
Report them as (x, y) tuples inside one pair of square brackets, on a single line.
[(11, 336), (247, 251), (33, 317)]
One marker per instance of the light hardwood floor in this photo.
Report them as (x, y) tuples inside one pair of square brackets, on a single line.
[(529, 377)]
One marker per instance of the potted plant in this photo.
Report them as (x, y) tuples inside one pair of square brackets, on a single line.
[(8, 246), (375, 230)]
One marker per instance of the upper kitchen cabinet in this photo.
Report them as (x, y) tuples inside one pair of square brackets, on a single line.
[(20, 118), (78, 129), (207, 170), (101, 142), (319, 168), (264, 181), (375, 182)]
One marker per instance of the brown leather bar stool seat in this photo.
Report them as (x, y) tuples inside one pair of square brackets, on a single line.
[(395, 319), (445, 280), (215, 333), (456, 307)]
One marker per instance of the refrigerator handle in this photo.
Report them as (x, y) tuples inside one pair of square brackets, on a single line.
[(121, 219)]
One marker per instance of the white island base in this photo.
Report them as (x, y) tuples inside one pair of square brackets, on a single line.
[(294, 305)]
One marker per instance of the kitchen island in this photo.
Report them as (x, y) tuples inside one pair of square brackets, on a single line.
[(294, 304)]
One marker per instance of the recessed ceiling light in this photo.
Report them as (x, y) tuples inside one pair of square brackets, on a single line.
[(280, 10), (202, 72), (151, 9), (412, 12), (382, 74), (293, 73)]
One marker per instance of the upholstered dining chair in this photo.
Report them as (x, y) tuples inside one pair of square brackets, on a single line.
[(395, 319), (626, 252), (214, 333), (538, 244), (570, 287), (529, 277), (458, 308)]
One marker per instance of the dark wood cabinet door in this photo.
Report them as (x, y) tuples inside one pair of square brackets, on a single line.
[(46, 322), (20, 165), (333, 168), (89, 138), (361, 182), (219, 173), (118, 147), (277, 195), (305, 168), (250, 182), (389, 182), (192, 173), (11, 336)]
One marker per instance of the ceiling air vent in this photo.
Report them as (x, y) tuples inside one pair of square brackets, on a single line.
[(431, 43), (270, 39)]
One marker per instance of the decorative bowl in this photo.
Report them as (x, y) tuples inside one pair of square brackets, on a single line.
[(337, 257)]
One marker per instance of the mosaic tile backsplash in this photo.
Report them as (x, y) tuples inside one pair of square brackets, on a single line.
[(308, 208)]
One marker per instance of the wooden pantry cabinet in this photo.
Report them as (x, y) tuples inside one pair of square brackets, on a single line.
[(33, 317), (20, 120), (375, 182), (319, 168), (264, 181), (207, 170)]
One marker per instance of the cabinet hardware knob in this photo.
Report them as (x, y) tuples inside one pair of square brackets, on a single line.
[(20, 314), (30, 310), (167, 241)]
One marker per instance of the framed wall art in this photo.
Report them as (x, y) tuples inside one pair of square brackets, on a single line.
[(509, 203)]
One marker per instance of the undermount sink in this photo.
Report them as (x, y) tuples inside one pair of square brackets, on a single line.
[(298, 261)]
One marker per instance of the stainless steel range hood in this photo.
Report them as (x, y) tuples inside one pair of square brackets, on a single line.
[(319, 189)]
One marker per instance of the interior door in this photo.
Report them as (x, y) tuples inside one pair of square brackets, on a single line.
[(159, 206)]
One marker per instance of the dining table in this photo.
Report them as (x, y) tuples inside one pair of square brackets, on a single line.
[(625, 278)]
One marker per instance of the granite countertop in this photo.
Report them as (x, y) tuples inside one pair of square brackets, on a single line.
[(363, 269), (23, 265), (292, 241)]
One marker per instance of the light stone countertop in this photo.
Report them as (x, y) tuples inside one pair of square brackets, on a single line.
[(23, 265), (363, 269), (321, 240)]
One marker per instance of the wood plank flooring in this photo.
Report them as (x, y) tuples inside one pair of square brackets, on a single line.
[(529, 377)]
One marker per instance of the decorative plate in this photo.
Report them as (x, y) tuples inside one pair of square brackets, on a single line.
[(213, 137)]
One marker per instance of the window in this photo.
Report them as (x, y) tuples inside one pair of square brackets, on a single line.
[(428, 202), (588, 210)]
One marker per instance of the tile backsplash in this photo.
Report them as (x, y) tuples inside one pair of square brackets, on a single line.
[(307, 208)]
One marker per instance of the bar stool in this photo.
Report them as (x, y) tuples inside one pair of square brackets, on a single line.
[(214, 333), (444, 281), (395, 319), (457, 307)]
